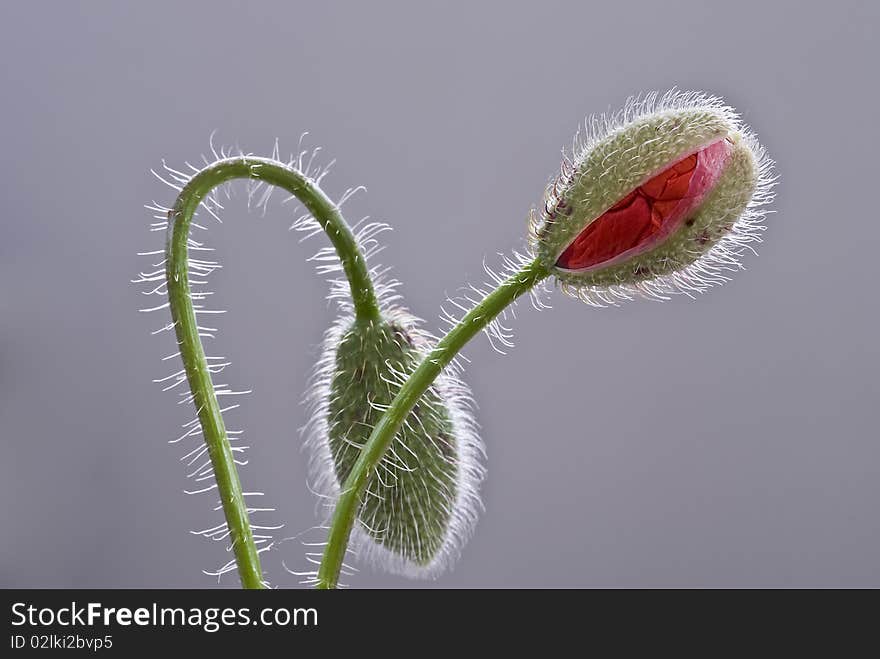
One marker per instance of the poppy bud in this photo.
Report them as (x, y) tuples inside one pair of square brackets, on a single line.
[(421, 501), (659, 199)]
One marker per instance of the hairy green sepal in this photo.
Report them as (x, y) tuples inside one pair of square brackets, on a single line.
[(409, 495)]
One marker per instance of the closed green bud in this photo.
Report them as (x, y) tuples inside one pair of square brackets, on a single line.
[(422, 500), (661, 198)]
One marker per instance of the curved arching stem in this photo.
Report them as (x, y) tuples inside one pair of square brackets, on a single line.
[(383, 433), (183, 314)]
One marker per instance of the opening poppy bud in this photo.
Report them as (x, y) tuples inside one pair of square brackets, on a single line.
[(659, 199), (421, 502)]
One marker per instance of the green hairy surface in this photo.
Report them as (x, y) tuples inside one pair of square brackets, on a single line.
[(619, 163), (409, 495), (709, 224)]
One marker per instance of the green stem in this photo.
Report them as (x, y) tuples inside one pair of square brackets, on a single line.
[(176, 270), (449, 346)]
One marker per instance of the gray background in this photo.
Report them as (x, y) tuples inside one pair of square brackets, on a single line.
[(728, 441)]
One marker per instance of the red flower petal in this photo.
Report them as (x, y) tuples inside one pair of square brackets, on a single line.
[(649, 213)]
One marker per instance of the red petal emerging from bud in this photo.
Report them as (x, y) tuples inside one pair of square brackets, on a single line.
[(649, 213)]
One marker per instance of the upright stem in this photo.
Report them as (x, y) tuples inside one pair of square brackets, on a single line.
[(349, 501), (184, 315)]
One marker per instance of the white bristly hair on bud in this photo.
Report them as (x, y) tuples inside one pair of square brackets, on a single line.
[(683, 272), (463, 508)]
